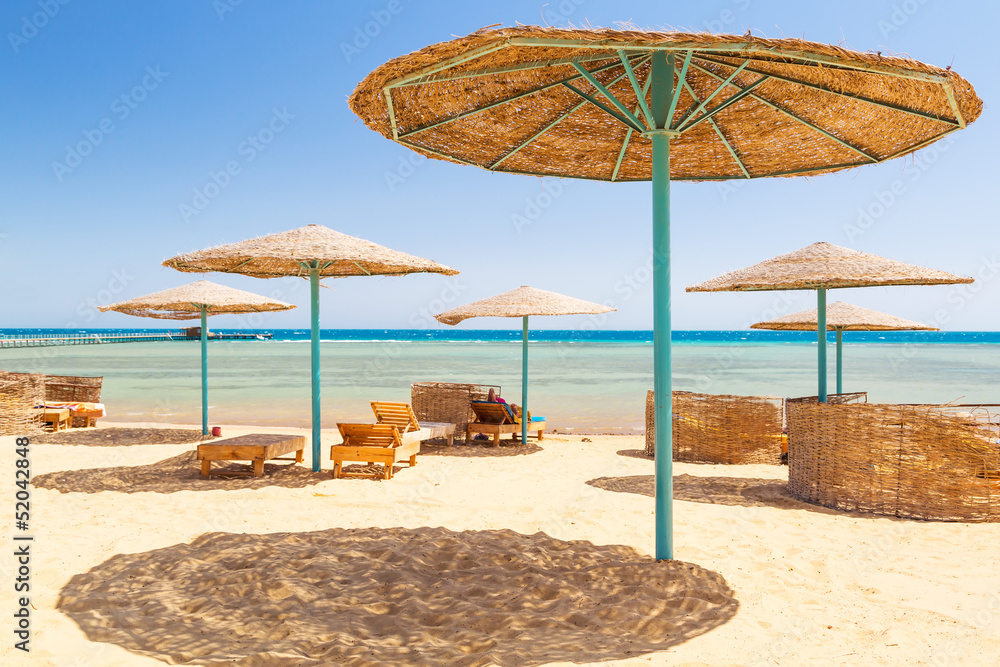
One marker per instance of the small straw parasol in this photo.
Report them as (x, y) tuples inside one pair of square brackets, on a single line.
[(312, 252), (523, 302), (635, 105), (841, 317), (823, 266), (198, 299)]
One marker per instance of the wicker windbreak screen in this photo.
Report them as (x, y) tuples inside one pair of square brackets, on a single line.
[(912, 461), (448, 402), (710, 428), (19, 394), (70, 388)]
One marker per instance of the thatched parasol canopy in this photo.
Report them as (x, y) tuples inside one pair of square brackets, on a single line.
[(841, 316), (825, 266), (289, 253), (522, 302), (312, 252), (632, 105), (185, 302), (197, 300), (528, 100)]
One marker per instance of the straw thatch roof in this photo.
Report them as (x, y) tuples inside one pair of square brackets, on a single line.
[(843, 316), (289, 253), (512, 100), (185, 302), (520, 302), (825, 266)]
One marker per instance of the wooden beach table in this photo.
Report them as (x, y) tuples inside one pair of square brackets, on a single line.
[(58, 417), (256, 447)]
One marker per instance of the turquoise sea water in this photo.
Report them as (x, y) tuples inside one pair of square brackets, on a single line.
[(588, 381)]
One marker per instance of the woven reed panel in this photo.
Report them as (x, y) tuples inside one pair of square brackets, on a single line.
[(847, 397), (71, 389), (68, 388), (447, 402), (712, 428), (19, 394), (918, 462)]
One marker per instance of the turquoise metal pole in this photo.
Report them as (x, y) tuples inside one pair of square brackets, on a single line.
[(524, 380), (204, 371), (316, 410), (840, 361), (821, 334), (662, 89)]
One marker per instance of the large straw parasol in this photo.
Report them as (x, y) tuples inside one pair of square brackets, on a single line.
[(523, 302), (841, 317), (823, 266), (313, 251), (604, 105), (198, 299)]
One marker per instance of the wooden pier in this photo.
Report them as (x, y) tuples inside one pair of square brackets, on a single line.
[(46, 340)]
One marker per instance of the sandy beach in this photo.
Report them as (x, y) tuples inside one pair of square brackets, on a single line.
[(511, 556)]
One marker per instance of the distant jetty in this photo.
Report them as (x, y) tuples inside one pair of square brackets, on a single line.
[(193, 333)]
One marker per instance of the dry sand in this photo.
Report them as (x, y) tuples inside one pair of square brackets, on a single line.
[(517, 556)]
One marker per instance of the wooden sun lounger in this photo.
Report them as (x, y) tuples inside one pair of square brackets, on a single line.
[(256, 447), (372, 443), (496, 419), (410, 430)]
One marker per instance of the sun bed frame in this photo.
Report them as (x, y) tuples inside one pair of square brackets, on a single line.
[(410, 430), (256, 447), (372, 443), (395, 437), (497, 418)]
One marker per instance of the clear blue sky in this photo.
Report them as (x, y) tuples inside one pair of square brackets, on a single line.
[(167, 93)]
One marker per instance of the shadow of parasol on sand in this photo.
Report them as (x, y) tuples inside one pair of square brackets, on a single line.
[(428, 596), (178, 473)]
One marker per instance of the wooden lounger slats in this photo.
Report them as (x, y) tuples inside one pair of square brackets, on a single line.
[(400, 414), (371, 443), (496, 418), (492, 413)]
